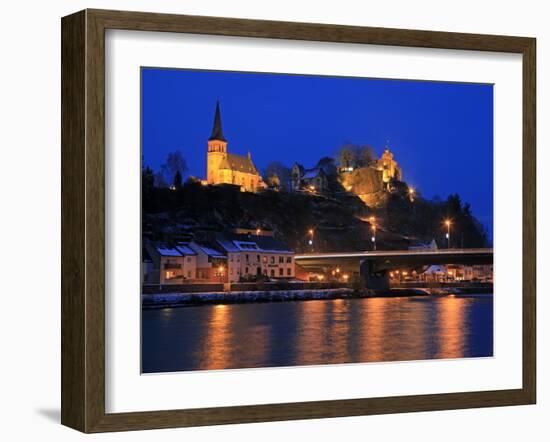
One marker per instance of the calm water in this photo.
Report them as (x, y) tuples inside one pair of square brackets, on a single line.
[(316, 332)]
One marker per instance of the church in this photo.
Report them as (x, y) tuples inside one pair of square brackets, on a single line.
[(228, 168)]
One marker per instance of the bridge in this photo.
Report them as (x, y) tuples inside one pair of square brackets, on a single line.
[(374, 266)]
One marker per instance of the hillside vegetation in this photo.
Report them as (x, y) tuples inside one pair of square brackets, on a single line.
[(340, 220)]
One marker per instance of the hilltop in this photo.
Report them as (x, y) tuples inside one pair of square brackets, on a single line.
[(340, 220)]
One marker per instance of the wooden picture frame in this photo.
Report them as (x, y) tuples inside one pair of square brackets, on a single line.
[(83, 220)]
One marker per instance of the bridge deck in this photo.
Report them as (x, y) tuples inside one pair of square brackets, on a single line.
[(393, 253), (394, 259)]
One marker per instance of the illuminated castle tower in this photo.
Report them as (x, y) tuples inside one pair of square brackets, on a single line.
[(389, 167)]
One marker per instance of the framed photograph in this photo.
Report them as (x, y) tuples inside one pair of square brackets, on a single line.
[(267, 221)]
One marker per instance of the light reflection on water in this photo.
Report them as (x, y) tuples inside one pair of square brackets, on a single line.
[(316, 332)]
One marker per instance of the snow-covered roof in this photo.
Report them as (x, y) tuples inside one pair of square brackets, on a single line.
[(435, 269), (310, 173), (184, 249), (228, 246), (246, 245), (164, 250), (203, 248)]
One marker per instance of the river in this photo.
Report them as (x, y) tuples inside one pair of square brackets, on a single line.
[(213, 337)]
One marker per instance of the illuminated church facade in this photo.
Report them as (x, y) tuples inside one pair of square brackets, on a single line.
[(227, 168)]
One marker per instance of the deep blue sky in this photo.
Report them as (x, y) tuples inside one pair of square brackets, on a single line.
[(441, 133)]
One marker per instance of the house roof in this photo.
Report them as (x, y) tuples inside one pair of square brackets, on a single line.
[(208, 250), (184, 249), (165, 250), (313, 173), (238, 163), (217, 132), (239, 243)]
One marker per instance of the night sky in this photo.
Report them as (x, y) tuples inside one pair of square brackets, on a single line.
[(441, 133)]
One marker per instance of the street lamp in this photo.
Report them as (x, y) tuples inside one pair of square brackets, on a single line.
[(220, 271), (373, 228), (448, 234), (310, 242), (258, 232), (411, 193)]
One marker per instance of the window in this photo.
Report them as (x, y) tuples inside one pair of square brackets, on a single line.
[(246, 256), (289, 271), (281, 259), (189, 273), (188, 259), (272, 273), (258, 258), (280, 272), (289, 260), (264, 259), (272, 260), (246, 270)]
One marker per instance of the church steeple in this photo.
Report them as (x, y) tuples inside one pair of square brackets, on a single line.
[(217, 132)]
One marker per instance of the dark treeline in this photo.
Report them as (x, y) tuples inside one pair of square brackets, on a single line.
[(340, 221)]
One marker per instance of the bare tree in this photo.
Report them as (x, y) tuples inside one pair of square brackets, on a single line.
[(280, 171), (174, 163)]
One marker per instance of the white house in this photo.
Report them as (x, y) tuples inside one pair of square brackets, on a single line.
[(175, 264), (251, 255)]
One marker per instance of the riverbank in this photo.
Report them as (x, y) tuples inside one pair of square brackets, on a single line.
[(161, 300)]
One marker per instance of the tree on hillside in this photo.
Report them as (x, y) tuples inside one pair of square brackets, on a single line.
[(147, 185), (328, 165), (177, 180), (365, 155), (345, 156), (280, 171), (159, 180), (354, 155), (175, 162)]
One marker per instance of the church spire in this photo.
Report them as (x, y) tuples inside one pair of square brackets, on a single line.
[(217, 133)]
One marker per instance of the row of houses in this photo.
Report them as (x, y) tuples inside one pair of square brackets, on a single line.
[(446, 273), (226, 258)]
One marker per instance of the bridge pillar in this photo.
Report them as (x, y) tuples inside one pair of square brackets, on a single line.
[(373, 280)]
